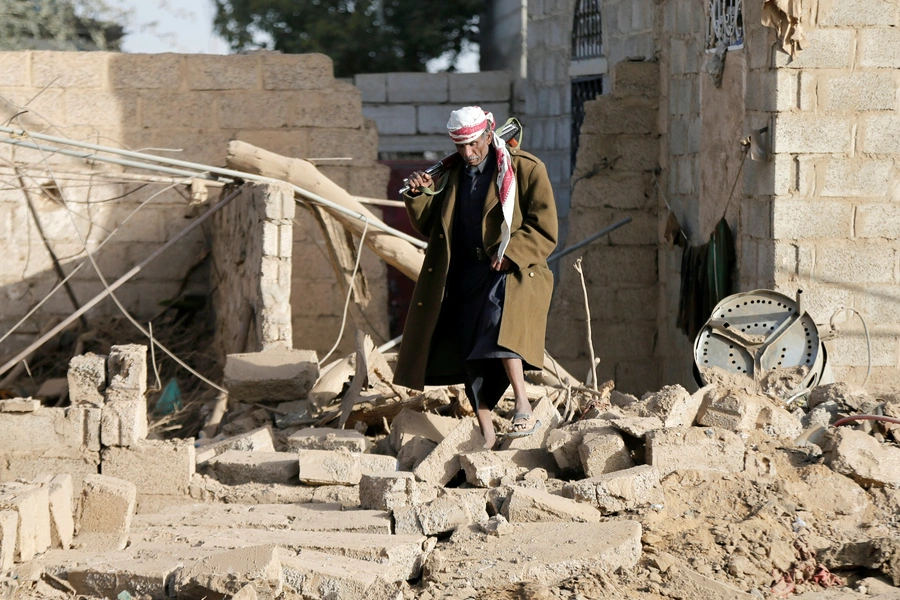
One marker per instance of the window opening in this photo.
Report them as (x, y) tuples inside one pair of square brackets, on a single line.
[(584, 89), (726, 24), (586, 38)]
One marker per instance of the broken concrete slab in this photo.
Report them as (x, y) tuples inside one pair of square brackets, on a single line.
[(105, 513), (235, 467), (446, 513), (258, 439), (324, 438), (861, 457), (618, 491), (126, 367), (149, 577), (414, 452), (697, 448), (20, 405), (223, 575), (158, 467), (32, 505), (314, 574), (87, 380), (273, 375), (844, 394), (604, 453), (536, 506), (328, 467), (674, 405), (546, 413), (9, 532), (564, 442), (409, 424), (292, 414), (299, 517), (59, 493), (544, 553), (29, 465), (373, 464), (637, 427), (123, 422), (388, 491), (490, 469), (734, 410), (443, 463)]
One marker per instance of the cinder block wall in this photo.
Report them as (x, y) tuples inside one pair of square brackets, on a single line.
[(290, 104), (835, 215), (411, 109)]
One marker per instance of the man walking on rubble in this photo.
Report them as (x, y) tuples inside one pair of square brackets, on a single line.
[(479, 311)]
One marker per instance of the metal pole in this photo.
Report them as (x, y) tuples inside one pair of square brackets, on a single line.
[(587, 241), (118, 283)]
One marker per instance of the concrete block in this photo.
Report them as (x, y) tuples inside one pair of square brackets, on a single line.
[(548, 415), (20, 405), (825, 49), (123, 422), (414, 452), (443, 463), (632, 78), (212, 72), (59, 495), (616, 116), (282, 375), (105, 512), (417, 87), (296, 71), (9, 530), (619, 491), (324, 438), (392, 118), (15, 69), (406, 521), (127, 370), (144, 71), (372, 86), (328, 467), (150, 577), (637, 427), (603, 453), (855, 264), (68, 70), (385, 491), (87, 379), (225, 574), (863, 91), (475, 88), (536, 506), (879, 47), (674, 405), (857, 177), (49, 431), (445, 514), (861, 457), (314, 574), (376, 464), (32, 505), (799, 219), (490, 469), (877, 221), (799, 133), (695, 448), (154, 466), (410, 423), (259, 440), (101, 109), (730, 409), (564, 442), (779, 423), (167, 110), (236, 467), (877, 138)]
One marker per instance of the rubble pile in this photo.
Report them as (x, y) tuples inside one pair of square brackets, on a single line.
[(722, 493)]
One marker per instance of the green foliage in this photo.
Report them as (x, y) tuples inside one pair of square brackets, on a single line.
[(364, 36), (59, 25)]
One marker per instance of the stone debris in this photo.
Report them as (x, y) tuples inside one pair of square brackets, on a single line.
[(59, 495), (695, 448), (235, 467), (87, 380), (409, 425), (862, 458), (31, 505), (105, 511), (318, 575), (271, 376), (603, 453), (327, 439), (536, 506), (258, 439), (323, 467), (20, 405), (225, 574), (674, 405)]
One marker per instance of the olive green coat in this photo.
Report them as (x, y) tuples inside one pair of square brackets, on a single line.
[(529, 284)]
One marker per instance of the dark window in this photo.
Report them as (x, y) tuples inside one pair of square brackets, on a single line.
[(583, 90), (586, 39)]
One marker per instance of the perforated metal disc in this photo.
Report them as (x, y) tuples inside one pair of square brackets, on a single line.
[(761, 324)]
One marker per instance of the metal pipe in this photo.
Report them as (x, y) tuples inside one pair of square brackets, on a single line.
[(586, 241), (118, 283), (228, 173), (852, 418)]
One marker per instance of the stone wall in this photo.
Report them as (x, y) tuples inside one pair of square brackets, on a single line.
[(252, 241), (411, 109), (195, 104)]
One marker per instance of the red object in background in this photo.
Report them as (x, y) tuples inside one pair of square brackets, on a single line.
[(400, 287)]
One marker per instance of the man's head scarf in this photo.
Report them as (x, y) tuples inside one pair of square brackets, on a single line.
[(465, 126)]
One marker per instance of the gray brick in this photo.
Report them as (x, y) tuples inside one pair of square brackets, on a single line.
[(861, 92), (857, 177), (879, 47), (392, 119), (432, 118), (488, 86), (826, 49), (868, 263), (798, 219), (417, 87), (878, 221), (373, 86), (799, 133), (880, 134)]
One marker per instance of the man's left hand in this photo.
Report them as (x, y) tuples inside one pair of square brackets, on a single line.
[(503, 264)]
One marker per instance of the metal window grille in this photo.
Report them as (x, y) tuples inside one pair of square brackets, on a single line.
[(726, 24), (586, 39), (583, 90)]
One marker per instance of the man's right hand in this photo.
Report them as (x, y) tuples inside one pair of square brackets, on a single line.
[(419, 180)]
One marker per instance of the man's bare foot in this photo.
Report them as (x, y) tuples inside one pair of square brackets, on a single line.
[(489, 441)]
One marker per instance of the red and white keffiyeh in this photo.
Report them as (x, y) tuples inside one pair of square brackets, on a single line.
[(465, 126)]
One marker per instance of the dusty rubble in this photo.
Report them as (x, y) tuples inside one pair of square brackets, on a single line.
[(723, 493)]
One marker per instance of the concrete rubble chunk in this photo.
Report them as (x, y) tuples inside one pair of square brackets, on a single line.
[(328, 467), (223, 575), (490, 469), (150, 576), (248, 592), (62, 523), (564, 442), (9, 530), (163, 467), (779, 423), (388, 491), (105, 513), (618, 491), (273, 375), (318, 575), (50, 431), (844, 394), (126, 367), (257, 440), (861, 457), (31, 504), (292, 414), (20, 405), (414, 452), (324, 438), (542, 553), (603, 453), (734, 410), (235, 467), (373, 464), (123, 422), (695, 448), (536, 506), (546, 413), (443, 463), (445, 514), (87, 380), (674, 405), (410, 424), (637, 427)]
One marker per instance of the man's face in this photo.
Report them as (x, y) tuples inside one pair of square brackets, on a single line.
[(474, 152)]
